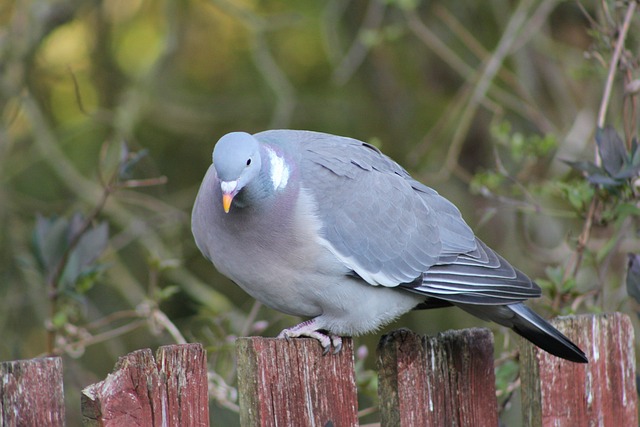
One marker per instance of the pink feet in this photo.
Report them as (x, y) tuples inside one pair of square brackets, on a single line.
[(309, 329)]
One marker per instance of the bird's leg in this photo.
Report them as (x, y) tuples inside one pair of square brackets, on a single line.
[(310, 329)]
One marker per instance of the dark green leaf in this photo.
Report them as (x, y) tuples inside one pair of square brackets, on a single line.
[(584, 166), (604, 180), (628, 171), (50, 241), (627, 209), (88, 278), (611, 149), (635, 153), (88, 249)]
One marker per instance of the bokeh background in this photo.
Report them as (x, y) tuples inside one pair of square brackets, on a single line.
[(110, 110)]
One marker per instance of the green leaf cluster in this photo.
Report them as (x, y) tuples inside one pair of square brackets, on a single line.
[(521, 146), (619, 165), (67, 254)]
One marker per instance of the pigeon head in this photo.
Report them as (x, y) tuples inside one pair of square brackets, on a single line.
[(236, 158)]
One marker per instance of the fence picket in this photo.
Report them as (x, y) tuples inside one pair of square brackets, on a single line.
[(31, 393), (143, 392), (291, 383), (436, 381), (603, 392)]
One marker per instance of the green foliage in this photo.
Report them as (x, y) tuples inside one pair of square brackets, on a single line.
[(506, 374), (521, 146), (67, 253), (619, 165), (578, 193), (487, 180), (557, 283)]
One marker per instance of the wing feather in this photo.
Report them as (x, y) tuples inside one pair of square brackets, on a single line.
[(391, 230)]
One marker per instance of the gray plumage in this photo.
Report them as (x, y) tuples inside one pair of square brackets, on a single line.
[(329, 228)]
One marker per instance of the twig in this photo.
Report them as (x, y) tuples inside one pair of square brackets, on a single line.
[(583, 238), (162, 319), (76, 91), (622, 35), (105, 336), (331, 16), (250, 318), (367, 411), (53, 280), (490, 70), (358, 51), (148, 182), (277, 80), (110, 318), (521, 104)]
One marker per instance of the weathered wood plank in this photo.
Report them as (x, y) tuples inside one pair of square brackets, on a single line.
[(436, 381), (290, 383), (184, 369), (31, 393), (556, 392), (141, 392)]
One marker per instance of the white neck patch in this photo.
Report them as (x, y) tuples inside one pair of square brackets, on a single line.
[(279, 170)]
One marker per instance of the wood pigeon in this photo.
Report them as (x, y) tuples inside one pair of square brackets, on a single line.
[(329, 228)]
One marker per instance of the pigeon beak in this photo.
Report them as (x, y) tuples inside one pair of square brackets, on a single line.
[(226, 202), (228, 193)]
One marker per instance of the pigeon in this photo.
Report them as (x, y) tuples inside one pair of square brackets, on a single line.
[(330, 229)]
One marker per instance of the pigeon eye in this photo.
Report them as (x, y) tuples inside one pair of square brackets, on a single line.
[(248, 162)]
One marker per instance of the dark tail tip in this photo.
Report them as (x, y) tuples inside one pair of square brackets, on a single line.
[(537, 330)]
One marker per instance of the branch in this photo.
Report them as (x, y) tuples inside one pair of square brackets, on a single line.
[(612, 67)]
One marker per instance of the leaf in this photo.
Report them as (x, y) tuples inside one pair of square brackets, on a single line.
[(627, 209), (129, 161), (88, 278), (49, 241), (584, 166), (568, 285), (635, 153), (611, 149), (92, 244), (59, 319), (166, 293), (633, 276), (604, 180), (506, 373), (555, 275), (629, 171), (80, 262), (578, 193)]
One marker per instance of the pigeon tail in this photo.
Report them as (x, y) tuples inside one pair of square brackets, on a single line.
[(529, 325), (534, 328)]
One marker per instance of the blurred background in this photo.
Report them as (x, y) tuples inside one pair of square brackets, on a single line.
[(110, 110)]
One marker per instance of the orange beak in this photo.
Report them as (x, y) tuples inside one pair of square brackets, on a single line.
[(226, 201), (229, 191)]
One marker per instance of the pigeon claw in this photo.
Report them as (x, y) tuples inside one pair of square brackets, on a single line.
[(336, 341), (308, 329)]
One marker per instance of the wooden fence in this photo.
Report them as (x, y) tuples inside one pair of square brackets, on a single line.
[(447, 380)]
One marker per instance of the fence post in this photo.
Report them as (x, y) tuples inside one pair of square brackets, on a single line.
[(31, 393), (436, 381), (290, 382), (556, 392), (170, 390)]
